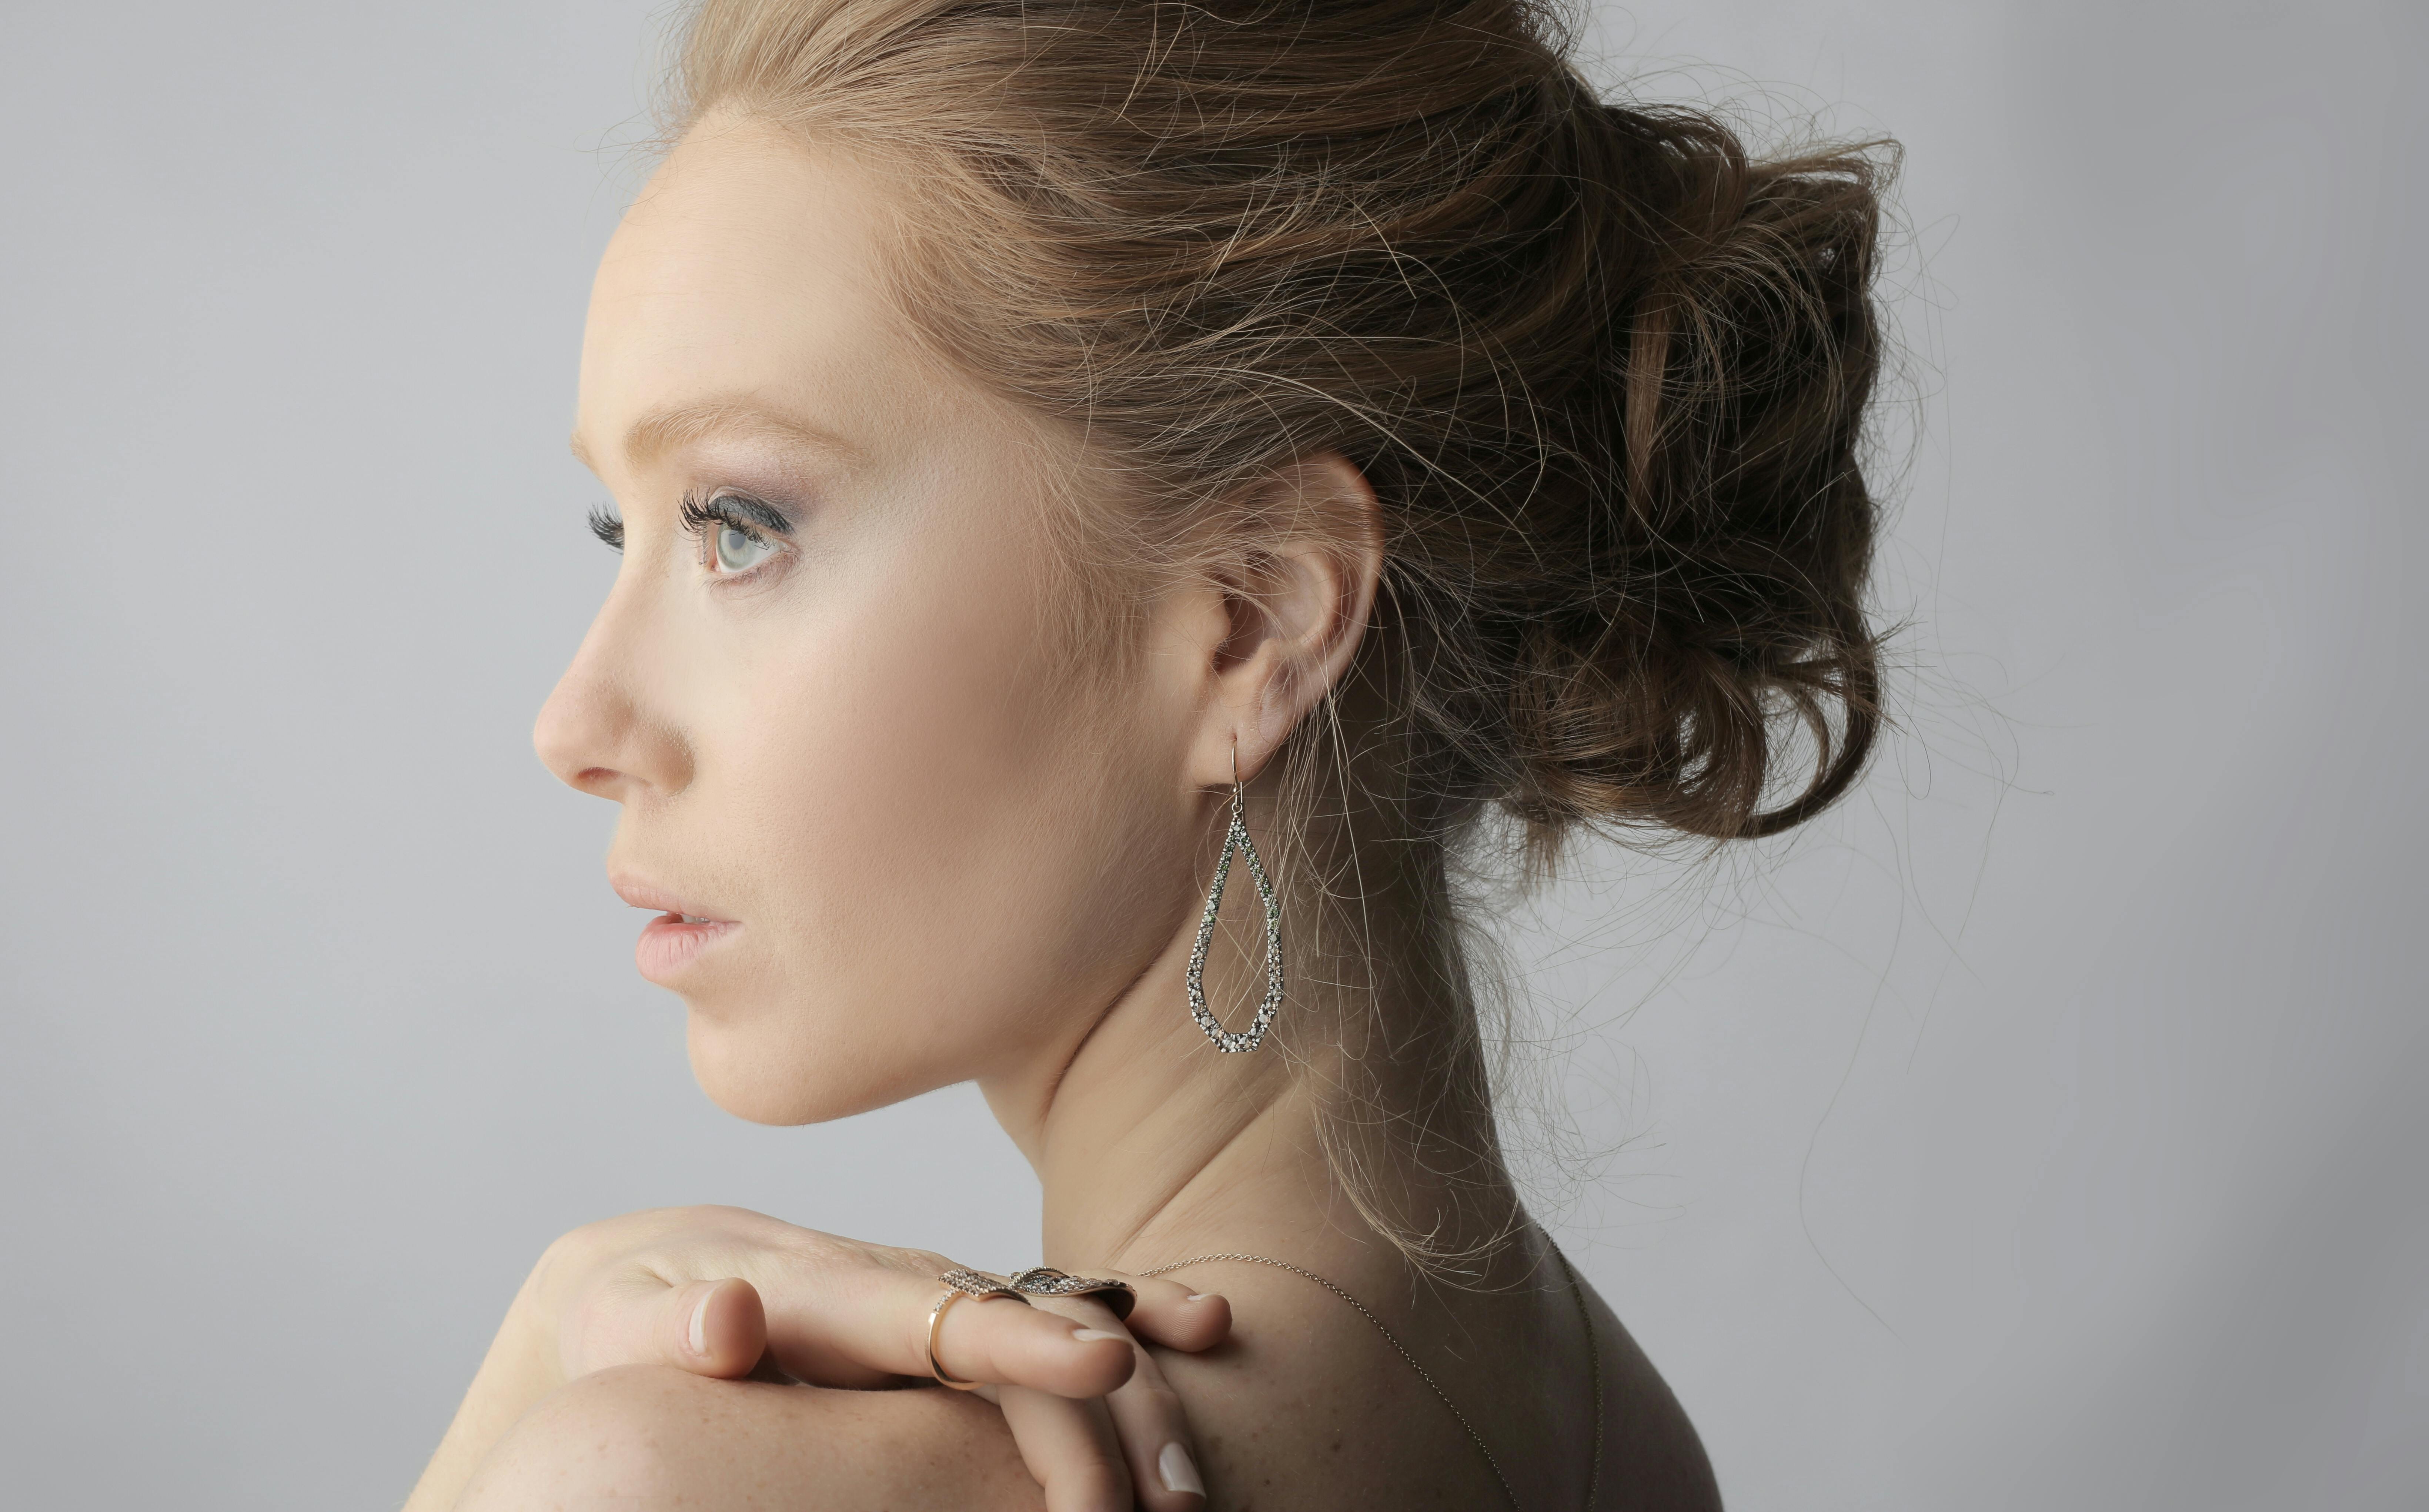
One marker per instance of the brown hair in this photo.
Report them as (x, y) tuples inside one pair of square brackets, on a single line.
[(1606, 372)]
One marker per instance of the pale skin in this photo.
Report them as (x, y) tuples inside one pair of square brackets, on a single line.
[(844, 728)]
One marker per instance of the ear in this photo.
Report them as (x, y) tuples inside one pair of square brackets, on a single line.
[(1294, 603)]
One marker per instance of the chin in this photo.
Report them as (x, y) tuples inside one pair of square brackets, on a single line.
[(785, 1079)]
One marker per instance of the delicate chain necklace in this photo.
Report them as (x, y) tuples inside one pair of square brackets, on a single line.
[(1594, 1361)]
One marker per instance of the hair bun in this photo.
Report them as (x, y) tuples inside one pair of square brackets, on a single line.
[(1703, 597)]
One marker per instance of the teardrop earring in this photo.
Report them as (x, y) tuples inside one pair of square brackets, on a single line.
[(1235, 838)]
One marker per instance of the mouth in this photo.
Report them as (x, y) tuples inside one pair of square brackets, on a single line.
[(679, 936)]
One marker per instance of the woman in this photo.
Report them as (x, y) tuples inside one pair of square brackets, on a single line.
[(1069, 451)]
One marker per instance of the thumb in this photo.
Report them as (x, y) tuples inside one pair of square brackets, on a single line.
[(707, 1328), (714, 1327)]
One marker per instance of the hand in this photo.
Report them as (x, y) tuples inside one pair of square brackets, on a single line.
[(726, 1293)]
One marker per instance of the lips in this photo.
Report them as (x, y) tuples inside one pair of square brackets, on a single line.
[(677, 937)]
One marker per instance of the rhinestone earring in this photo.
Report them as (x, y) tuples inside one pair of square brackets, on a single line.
[(1235, 839)]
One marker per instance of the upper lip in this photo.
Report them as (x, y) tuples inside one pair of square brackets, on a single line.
[(644, 894)]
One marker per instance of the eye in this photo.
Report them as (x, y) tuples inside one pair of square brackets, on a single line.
[(738, 549), (737, 533)]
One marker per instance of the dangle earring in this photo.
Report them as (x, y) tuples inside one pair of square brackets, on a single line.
[(1236, 839)]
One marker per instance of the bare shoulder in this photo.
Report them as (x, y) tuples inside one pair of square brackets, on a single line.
[(644, 1436), (1653, 1458), (1307, 1408)]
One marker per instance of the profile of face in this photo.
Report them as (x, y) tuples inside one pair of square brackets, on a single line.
[(904, 836)]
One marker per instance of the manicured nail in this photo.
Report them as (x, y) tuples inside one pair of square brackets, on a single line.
[(699, 1324), (1180, 1472), (1089, 1336)]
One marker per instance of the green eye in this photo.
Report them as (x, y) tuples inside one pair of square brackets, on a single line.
[(738, 549)]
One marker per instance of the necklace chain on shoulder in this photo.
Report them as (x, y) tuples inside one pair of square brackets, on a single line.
[(1594, 1360)]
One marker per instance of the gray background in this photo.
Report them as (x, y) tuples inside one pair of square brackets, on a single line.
[(2042, 1130)]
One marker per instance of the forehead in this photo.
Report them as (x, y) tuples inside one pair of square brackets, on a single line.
[(749, 271)]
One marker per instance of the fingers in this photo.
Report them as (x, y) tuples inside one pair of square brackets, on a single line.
[(834, 1312), (1169, 1313), (1009, 1342), (865, 1323), (1155, 1439), (1159, 1450), (1071, 1448)]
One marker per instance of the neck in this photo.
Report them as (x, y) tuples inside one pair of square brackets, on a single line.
[(1152, 1146)]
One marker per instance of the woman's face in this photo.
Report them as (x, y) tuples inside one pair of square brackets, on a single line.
[(826, 688)]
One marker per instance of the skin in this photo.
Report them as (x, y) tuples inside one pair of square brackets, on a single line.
[(943, 844)]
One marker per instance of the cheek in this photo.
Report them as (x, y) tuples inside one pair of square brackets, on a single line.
[(951, 862)]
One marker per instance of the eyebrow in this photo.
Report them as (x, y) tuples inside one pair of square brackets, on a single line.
[(663, 430)]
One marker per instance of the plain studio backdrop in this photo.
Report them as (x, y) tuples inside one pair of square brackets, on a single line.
[(2045, 1128)]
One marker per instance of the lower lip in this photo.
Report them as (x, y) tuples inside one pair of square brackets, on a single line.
[(668, 945)]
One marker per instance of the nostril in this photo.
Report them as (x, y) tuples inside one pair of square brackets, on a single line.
[(601, 781), (571, 734)]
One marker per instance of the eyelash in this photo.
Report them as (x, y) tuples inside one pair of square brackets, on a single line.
[(699, 517)]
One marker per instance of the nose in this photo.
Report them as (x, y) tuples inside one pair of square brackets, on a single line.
[(596, 731)]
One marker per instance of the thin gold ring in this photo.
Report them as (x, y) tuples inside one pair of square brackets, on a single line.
[(960, 1284)]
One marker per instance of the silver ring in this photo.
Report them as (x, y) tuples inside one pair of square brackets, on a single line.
[(1046, 1281)]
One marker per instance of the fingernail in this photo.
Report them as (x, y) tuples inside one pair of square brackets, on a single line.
[(1089, 1336), (699, 1324), (1202, 1296), (1180, 1472)]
